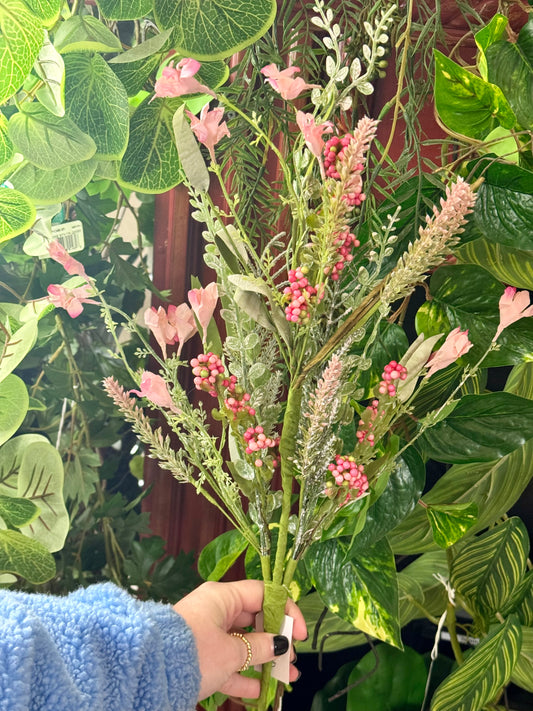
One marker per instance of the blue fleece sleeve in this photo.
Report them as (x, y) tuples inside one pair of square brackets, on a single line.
[(98, 649)]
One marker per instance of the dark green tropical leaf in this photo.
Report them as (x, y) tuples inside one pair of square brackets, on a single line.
[(450, 523), (484, 672), (218, 556), (214, 30), (21, 556), (508, 265), (16, 511), (47, 187), (151, 163), (488, 568), (85, 33), (48, 141), (321, 700), (395, 681), (21, 38), (97, 103), (523, 670), (17, 214), (125, 9), (362, 590), (510, 66), (467, 104)]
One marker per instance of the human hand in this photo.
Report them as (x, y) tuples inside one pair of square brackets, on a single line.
[(213, 611)]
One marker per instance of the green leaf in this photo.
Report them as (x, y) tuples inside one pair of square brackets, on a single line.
[(21, 38), (97, 103), (47, 11), (212, 29), (189, 152), (32, 467), (467, 104), (493, 32), (28, 559), (484, 672), (450, 523), (362, 590), (135, 66), (481, 428), (17, 214), (467, 296), (16, 346), (333, 632), (504, 204), (395, 681), (50, 67), (125, 9), (488, 568), (14, 403), (151, 46), (46, 187), (321, 700), (420, 590), (85, 33), (6, 147), (523, 670), (510, 66), (151, 163), (49, 141), (17, 512), (508, 265), (218, 556)]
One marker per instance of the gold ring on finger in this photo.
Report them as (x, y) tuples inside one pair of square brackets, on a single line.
[(246, 642)]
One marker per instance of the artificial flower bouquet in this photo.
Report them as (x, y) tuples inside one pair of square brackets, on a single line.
[(309, 432)]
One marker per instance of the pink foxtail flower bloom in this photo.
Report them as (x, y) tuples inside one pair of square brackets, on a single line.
[(59, 254), (455, 346), (285, 83), (312, 133), (203, 303), (513, 305), (154, 388), (71, 300), (179, 80), (208, 129)]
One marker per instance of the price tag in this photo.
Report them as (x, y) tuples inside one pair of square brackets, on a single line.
[(69, 235)]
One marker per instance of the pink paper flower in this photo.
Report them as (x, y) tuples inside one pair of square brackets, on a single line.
[(208, 129), (71, 265), (154, 388), (284, 82), (71, 300), (455, 346), (179, 80), (203, 302), (312, 134), (513, 306)]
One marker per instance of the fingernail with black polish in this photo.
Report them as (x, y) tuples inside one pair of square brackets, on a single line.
[(281, 645)]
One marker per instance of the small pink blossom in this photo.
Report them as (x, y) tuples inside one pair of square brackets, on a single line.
[(312, 134), (154, 388), (179, 80), (182, 319), (71, 300), (176, 325), (284, 82), (455, 346), (208, 129), (203, 303), (71, 265), (513, 306)]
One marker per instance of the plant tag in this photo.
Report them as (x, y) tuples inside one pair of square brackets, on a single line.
[(69, 235), (281, 664)]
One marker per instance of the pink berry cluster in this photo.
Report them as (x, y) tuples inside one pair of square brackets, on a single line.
[(209, 375), (301, 295), (393, 371), (346, 470), (344, 242), (333, 154), (366, 424), (256, 440)]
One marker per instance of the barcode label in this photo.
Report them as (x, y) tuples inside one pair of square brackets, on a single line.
[(69, 235)]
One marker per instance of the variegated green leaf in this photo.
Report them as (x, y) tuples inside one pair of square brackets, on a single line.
[(46, 10), (16, 511), (523, 671), (17, 214), (511, 266), (125, 9), (21, 38), (363, 590), (478, 681), (20, 555), (450, 523), (85, 33), (46, 187), (488, 568)]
